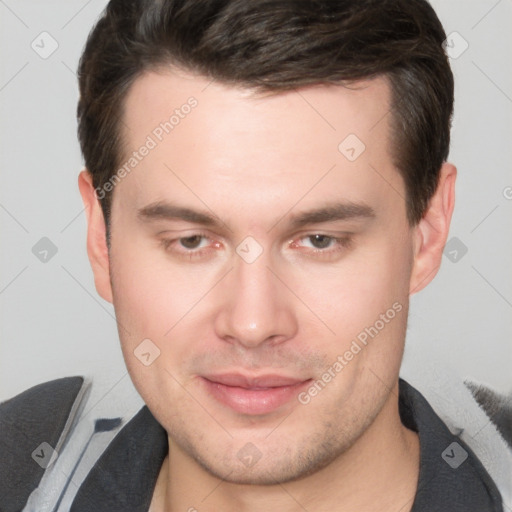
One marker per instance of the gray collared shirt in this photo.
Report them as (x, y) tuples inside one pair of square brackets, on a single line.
[(451, 477)]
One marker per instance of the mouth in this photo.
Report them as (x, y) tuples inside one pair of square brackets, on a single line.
[(253, 394)]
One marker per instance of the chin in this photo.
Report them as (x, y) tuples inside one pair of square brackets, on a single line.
[(251, 466)]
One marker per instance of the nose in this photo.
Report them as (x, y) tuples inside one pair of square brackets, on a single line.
[(256, 307)]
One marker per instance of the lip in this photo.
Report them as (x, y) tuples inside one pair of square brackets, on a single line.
[(253, 395)]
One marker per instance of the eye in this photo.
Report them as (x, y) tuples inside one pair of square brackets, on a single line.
[(320, 241), (322, 245), (191, 242), (190, 247)]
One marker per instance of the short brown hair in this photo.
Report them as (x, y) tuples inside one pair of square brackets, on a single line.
[(275, 45)]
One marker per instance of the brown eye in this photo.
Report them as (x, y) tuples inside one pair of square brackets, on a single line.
[(191, 242), (323, 247), (320, 241), (198, 247)]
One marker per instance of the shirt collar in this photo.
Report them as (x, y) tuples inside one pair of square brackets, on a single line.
[(125, 475)]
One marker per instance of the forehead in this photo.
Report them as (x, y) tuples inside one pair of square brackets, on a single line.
[(154, 96), (217, 141)]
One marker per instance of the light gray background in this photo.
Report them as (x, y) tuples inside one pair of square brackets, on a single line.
[(54, 324)]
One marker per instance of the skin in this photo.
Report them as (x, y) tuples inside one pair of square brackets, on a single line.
[(255, 162)]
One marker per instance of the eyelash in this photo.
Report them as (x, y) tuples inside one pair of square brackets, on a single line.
[(342, 243)]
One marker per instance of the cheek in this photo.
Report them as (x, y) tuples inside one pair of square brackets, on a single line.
[(151, 292), (151, 299), (364, 304), (153, 308), (352, 295)]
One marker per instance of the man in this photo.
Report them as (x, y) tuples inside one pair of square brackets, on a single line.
[(266, 185)]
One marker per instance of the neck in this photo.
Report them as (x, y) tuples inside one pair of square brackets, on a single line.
[(379, 472)]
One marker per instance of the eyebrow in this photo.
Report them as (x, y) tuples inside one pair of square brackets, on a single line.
[(330, 213), (333, 212), (168, 211)]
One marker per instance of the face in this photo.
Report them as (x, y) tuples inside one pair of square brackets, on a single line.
[(266, 266)]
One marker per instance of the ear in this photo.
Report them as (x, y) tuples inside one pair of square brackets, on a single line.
[(96, 236), (431, 232)]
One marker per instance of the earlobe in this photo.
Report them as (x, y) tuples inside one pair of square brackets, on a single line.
[(96, 236), (432, 231)]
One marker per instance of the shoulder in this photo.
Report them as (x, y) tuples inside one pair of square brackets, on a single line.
[(497, 406), (443, 450), (468, 417), (33, 427)]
